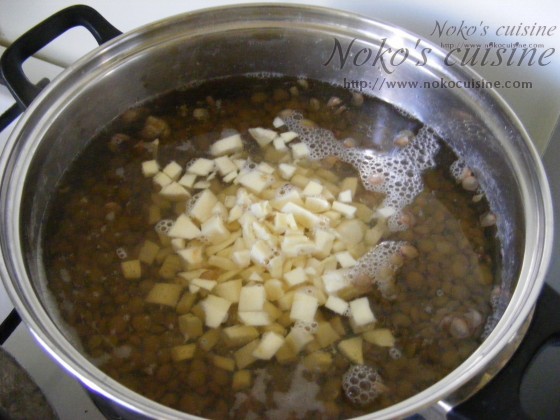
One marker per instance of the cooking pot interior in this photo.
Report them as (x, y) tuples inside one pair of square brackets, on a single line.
[(177, 54)]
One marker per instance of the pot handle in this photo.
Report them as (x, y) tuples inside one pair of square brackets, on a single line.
[(500, 398), (11, 63)]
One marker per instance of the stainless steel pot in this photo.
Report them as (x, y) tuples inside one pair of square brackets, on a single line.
[(287, 40)]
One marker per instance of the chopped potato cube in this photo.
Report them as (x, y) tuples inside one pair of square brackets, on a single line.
[(326, 334), (361, 312), (381, 337), (209, 339), (337, 305), (184, 228), (230, 290), (132, 269), (241, 380), (255, 318), (352, 349), (183, 352), (202, 208), (224, 363), (227, 145), (165, 294), (150, 168), (304, 307), (244, 356), (173, 170), (185, 303), (252, 298), (190, 326), (263, 136), (201, 167), (171, 265), (318, 361), (239, 335), (268, 346), (215, 310)]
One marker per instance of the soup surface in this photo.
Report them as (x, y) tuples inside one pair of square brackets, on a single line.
[(272, 248)]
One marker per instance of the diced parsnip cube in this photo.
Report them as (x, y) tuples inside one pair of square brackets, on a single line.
[(209, 339), (215, 310), (204, 284), (221, 262), (318, 361), (352, 231), (184, 228), (289, 136), (255, 319), (190, 326), (283, 222), (299, 151), (230, 177), (287, 170), (178, 243), (381, 337), (285, 302), (214, 230), (260, 209), (312, 188), (187, 180), (174, 192), (150, 168), (350, 183), (295, 277), (241, 258), (263, 136), (361, 312), (252, 298), (352, 349), (255, 180), (323, 243), (337, 305), (239, 335), (304, 307), (244, 356), (345, 209), (227, 145), (229, 290), (286, 354), (223, 363), (385, 212), (275, 266), (279, 144), (345, 259), (268, 346), (173, 170), (193, 255), (274, 289), (272, 310), (171, 265), (261, 253), (201, 167), (185, 303), (242, 379), (165, 294), (132, 269), (336, 280), (326, 334), (303, 216), (345, 196), (317, 204), (202, 208), (183, 352), (161, 179), (298, 338)]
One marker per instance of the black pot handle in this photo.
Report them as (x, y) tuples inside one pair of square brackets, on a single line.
[(500, 398), (11, 63)]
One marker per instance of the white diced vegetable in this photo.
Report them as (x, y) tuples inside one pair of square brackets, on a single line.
[(150, 168), (215, 310), (202, 208), (299, 151), (173, 170), (184, 228), (201, 167), (228, 145), (225, 165), (304, 307), (344, 209), (268, 346), (252, 298), (336, 304), (361, 312), (263, 136)]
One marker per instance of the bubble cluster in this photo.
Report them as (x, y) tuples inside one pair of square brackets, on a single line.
[(378, 264), (458, 169), (121, 253), (398, 175), (395, 353), (164, 225), (361, 384), (310, 327)]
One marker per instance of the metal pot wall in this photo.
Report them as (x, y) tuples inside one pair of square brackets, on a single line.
[(272, 39)]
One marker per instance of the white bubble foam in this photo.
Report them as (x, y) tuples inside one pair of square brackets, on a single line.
[(398, 175)]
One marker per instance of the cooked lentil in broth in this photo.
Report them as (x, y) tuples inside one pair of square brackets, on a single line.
[(105, 209)]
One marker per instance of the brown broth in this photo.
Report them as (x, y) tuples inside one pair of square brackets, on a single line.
[(103, 203)]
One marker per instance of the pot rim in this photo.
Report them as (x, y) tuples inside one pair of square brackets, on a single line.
[(47, 333)]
